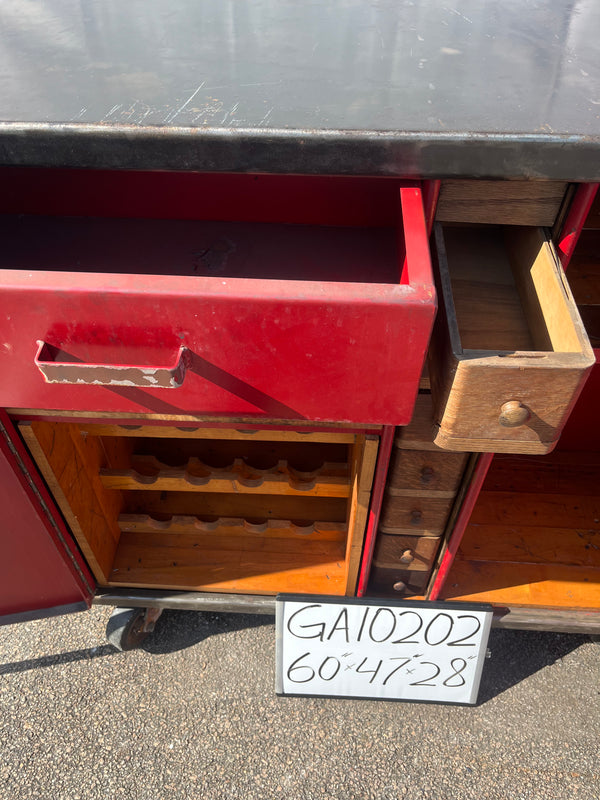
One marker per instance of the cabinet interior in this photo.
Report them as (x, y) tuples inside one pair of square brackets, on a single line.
[(238, 511)]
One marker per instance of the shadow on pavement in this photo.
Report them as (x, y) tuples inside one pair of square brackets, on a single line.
[(57, 658), (177, 630), (515, 655)]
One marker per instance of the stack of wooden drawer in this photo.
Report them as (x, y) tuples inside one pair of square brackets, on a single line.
[(421, 488)]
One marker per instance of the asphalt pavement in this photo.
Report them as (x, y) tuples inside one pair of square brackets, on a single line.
[(194, 715)]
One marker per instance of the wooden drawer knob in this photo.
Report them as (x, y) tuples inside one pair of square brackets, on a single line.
[(513, 414), (416, 517), (407, 557), (427, 474), (400, 586)]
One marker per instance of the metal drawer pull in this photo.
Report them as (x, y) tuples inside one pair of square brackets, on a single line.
[(54, 370)]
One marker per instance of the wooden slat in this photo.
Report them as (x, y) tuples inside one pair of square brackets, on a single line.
[(231, 526), (363, 462), (531, 544), (246, 506), (544, 294), (239, 478), (70, 466), (523, 585), (181, 562), (173, 480), (557, 473), (302, 456), (242, 435), (500, 202), (531, 509)]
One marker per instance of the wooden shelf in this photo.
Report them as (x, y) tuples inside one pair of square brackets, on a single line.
[(236, 514), (148, 473)]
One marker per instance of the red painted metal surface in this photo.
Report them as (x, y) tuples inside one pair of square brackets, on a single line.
[(294, 199), (462, 520), (582, 431), (324, 350), (41, 569), (383, 462), (574, 222)]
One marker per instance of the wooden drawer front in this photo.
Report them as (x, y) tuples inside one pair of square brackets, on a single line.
[(406, 552), (197, 513), (425, 516), (500, 202), (509, 353), (390, 581), (228, 318), (426, 471)]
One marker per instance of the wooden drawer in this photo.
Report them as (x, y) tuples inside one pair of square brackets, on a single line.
[(390, 581), (517, 202), (509, 354), (161, 508), (415, 515), (406, 552), (425, 470), (217, 317)]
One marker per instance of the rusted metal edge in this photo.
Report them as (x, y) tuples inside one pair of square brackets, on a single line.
[(187, 601), (557, 620), (410, 154), (547, 619)]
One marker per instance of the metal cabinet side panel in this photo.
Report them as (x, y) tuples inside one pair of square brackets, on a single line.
[(41, 571)]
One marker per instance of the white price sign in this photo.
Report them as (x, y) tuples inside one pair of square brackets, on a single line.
[(387, 650)]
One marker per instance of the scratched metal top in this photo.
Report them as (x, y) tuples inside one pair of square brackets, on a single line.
[(391, 87)]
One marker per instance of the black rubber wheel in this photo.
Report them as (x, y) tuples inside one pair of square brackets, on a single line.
[(124, 628)]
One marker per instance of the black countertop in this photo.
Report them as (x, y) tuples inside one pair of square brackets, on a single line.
[(429, 88)]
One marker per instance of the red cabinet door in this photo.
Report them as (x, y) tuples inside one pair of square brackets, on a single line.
[(41, 570)]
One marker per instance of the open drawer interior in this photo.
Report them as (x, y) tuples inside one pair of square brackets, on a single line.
[(255, 512), (507, 330), (266, 227)]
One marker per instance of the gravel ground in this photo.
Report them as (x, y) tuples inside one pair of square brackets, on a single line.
[(194, 715)]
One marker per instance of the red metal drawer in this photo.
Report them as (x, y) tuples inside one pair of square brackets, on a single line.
[(326, 344)]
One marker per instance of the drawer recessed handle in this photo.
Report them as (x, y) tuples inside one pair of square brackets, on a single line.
[(513, 414), (52, 364)]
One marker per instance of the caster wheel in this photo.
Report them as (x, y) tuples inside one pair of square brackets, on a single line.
[(125, 628)]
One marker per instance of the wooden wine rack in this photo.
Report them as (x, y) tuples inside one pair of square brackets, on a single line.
[(251, 511)]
